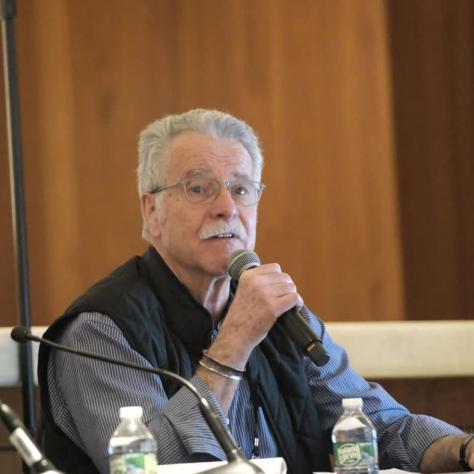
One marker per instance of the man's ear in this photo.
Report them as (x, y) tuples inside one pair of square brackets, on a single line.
[(150, 214)]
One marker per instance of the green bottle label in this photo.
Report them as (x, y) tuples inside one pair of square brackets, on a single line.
[(136, 463), (354, 454)]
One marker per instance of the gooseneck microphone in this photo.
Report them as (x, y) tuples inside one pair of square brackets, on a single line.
[(24, 444), (237, 462), (292, 320)]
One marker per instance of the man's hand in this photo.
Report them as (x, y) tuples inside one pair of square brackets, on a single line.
[(443, 455), (470, 454), (263, 295)]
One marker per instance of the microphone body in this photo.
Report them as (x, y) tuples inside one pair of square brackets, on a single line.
[(292, 320), (24, 444), (237, 462)]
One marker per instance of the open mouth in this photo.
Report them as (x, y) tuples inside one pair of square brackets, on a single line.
[(228, 235)]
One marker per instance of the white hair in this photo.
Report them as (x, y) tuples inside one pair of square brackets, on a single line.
[(152, 145)]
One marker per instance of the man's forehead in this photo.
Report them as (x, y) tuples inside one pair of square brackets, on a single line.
[(194, 153), (193, 142), (208, 172)]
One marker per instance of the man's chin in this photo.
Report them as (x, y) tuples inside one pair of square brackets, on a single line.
[(218, 267), (217, 253)]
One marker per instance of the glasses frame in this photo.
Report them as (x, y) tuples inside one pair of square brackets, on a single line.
[(227, 184)]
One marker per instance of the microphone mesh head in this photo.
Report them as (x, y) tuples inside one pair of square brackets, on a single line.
[(240, 261), (19, 334)]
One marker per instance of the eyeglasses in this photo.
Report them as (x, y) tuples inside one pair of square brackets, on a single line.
[(200, 190)]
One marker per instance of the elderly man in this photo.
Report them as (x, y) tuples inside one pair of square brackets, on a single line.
[(199, 185)]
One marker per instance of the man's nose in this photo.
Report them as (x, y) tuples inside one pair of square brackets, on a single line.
[(224, 206)]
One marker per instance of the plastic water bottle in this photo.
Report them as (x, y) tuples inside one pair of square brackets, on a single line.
[(132, 448), (354, 441)]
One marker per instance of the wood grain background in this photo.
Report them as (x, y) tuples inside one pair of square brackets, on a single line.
[(364, 110)]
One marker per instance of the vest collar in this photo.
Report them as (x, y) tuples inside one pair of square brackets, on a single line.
[(185, 317)]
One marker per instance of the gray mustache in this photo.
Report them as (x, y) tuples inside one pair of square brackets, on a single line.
[(221, 227)]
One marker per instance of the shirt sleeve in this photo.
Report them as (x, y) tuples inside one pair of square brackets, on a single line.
[(86, 396), (402, 436)]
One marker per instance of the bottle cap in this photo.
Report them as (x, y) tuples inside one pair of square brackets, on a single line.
[(131, 412), (352, 403)]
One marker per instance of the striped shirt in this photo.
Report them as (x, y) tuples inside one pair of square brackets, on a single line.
[(86, 396)]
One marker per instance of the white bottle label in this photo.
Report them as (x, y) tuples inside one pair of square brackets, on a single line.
[(136, 463)]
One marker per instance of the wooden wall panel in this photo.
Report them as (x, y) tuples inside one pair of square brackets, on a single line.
[(315, 80), (432, 49), (330, 214), (311, 77)]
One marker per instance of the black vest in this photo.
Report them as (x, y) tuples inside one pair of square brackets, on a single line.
[(163, 322)]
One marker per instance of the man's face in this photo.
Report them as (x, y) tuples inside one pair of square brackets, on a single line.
[(189, 236)]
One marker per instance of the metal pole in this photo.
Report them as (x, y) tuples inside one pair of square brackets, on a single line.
[(7, 14)]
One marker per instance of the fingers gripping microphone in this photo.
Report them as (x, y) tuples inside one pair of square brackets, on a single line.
[(24, 444), (237, 462), (293, 320)]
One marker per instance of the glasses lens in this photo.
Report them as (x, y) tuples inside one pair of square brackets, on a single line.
[(200, 189), (245, 192)]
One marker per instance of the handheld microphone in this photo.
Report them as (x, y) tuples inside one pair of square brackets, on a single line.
[(292, 320), (237, 462), (24, 444)]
